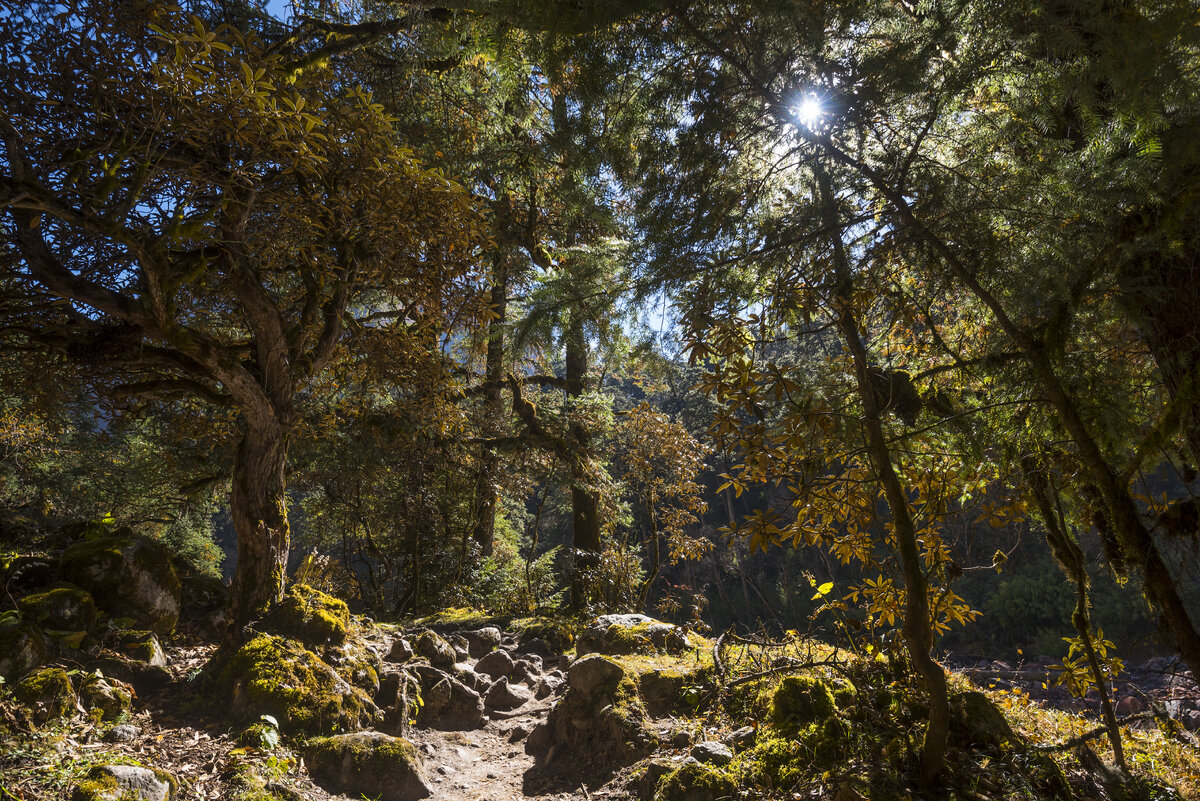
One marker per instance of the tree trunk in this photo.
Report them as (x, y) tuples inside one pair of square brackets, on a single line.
[(486, 495), (585, 507), (917, 628), (259, 509)]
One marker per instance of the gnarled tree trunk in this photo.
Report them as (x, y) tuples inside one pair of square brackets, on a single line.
[(259, 508)]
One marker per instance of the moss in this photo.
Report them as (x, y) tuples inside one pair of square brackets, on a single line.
[(558, 633), (97, 786), (22, 648), (666, 690), (105, 698), (48, 694), (310, 615), (800, 700), (695, 781), (65, 607), (845, 694), (620, 639), (276, 676), (143, 646)]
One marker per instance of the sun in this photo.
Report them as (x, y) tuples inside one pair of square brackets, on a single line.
[(809, 111)]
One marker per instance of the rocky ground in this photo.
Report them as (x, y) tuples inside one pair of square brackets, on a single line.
[(112, 691)]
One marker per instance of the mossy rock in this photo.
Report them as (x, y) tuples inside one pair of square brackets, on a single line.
[(976, 721), (275, 676), (368, 764), (558, 633), (630, 634), (141, 646), (22, 648), (47, 694), (125, 783), (696, 781), (105, 698), (665, 690), (64, 607), (128, 576), (799, 701), (432, 646), (310, 616)]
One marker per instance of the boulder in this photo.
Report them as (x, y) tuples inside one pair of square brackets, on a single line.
[(105, 698), (310, 616), (125, 783), (400, 651), (22, 648), (503, 696), (429, 644), (741, 739), (123, 733), (370, 764), (695, 781), (140, 646), (145, 677), (64, 607), (976, 721), (201, 595), (449, 704), (128, 576), (712, 753), (537, 647), (496, 664), (547, 686), (630, 634), (644, 781), (1129, 705), (476, 681), (28, 573), (599, 719), (47, 695), (271, 675), (799, 701), (481, 641), (462, 651)]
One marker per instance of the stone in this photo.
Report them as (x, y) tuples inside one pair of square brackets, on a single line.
[(695, 781), (476, 681), (142, 646), (64, 607), (369, 763), (47, 695), (482, 641), (681, 739), (313, 617), (431, 646), (495, 664), (629, 634), (645, 781), (22, 648), (741, 739), (1191, 720), (799, 701), (106, 698), (1129, 705), (976, 720), (400, 652), (448, 704), (125, 783), (593, 672), (712, 753), (271, 675), (202, 595), (28, 573), (128, 576), (537, 647), (460, 645), (519, 732), (547, 686), (503, 696), (145, 677), (123, 733)]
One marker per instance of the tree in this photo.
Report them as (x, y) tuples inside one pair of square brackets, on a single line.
[(215, 216)]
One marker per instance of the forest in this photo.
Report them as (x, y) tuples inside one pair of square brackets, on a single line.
[(577, 399)]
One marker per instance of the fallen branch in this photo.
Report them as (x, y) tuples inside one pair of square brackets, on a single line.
[(1093, 734)]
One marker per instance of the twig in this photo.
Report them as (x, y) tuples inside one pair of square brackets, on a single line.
[(830, 662)]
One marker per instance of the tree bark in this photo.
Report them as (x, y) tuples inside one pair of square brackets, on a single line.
[(585, 507), (487, 496), (259, 509)]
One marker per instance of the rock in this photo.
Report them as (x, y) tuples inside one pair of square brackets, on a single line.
[(556, 632), (503, 696), (124, 733), (309, 615), (519, 732), (537, 647), (712, 753), (681, 739), (460, 645), (496, 664), (370, 764), (848, 793), (591, 673), (644, 782), (741, 739), (600, 719), (356, 664), (663, 689), (477, 682), (449, 704), (274, 676), (975, 720), (106, 698), (629, 634), (694, 781), (65, 607), (128, 576), (22, 648), (799, 701), (125, 783), (547, 686), (28, 573), (47, 694), (1129, 705), (439, 652), (1191, 720), (482, 641), (146, 678), (201, 595), (142, 646), (400, 652)]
